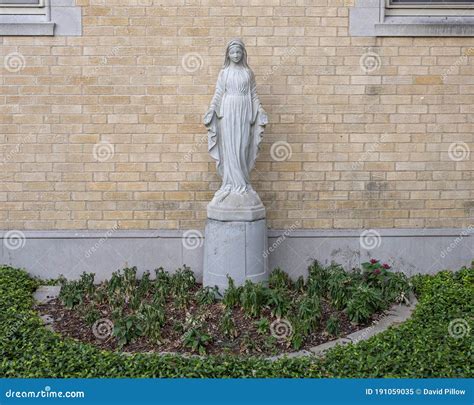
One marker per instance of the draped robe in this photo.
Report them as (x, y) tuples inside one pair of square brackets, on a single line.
[(236, 129)]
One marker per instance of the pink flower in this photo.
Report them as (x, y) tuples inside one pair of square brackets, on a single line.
[(386, 266), (373, 261), (377, 272)]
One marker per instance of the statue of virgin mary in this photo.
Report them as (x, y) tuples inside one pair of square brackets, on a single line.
[(235, 122)]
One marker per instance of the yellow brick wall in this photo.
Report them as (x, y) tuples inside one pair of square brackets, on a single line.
[(105, 128)]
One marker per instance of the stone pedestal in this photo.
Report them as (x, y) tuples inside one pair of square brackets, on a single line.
[(237, 249)]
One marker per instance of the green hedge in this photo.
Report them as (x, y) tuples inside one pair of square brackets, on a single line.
[(421, 347)]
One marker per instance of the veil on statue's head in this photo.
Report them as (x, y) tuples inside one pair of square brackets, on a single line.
[(236, 42)]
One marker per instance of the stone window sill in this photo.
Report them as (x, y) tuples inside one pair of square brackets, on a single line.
[(426, 27), (27, 29)]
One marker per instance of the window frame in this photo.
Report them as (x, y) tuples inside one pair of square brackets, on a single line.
[(34, 9), (40, 4), (372, 18), (428, 9), (389, 4)]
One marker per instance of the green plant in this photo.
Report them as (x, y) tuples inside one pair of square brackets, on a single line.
[(338, 284), (196, 340), (300, 284), (232, 294), (159, 298), (144, 285), (122, 288), (126, 328), (397, 289), (248, 344), (206, 295), (333, 326), (278, 301), (162, 281), (270, 343), (317, 279), (309, 313), (227, 325), (135, 301), (298, 333), (152, 318), (87, 283), (182, 280), (114, 284), (91, 315), (74, 292), (129, 283), (181, 284), (252, 298), (71, 294), (278, 279), (100, 295), (263, 326), (364, 302)]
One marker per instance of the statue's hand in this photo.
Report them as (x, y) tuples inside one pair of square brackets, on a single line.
[(208, 117), (263, 117)]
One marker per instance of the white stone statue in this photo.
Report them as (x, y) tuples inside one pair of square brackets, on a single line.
[(235, 122)]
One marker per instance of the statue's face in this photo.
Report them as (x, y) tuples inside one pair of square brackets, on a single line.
[(235, 54)]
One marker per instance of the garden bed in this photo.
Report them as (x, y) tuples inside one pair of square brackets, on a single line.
[(171, 313), (435, 342)]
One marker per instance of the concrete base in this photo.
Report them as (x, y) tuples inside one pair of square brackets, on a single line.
[(48, 254), (235, 249)]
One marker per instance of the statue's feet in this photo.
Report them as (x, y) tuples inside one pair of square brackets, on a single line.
[(240, 205)]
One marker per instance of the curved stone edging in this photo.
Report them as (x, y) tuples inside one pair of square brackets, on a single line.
[(397, 314)]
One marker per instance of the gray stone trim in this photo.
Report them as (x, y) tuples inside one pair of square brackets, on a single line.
[(110, 234), (61, 18), (272, 233), (50, 253), (343, 233), (27, 29), (67, 17), (367, 19), (424, 30)]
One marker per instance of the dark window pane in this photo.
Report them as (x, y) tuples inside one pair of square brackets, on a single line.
[(19, 2)]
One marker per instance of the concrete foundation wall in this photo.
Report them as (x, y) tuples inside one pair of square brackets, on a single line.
[(50, 253)]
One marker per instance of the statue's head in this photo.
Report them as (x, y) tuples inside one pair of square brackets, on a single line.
[(236, 53)]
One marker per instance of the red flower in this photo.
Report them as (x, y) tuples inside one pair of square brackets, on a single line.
[(373, 261), (377, 272), (386, 266)]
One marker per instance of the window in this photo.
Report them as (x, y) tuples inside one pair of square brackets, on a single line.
[(40, 17), (412, 18), (22, 7), (430, 3), (20, 2)]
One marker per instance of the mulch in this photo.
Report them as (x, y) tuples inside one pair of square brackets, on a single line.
[(70, 323)]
